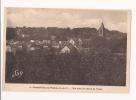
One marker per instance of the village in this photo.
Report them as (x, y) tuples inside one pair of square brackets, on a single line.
[(62, 46), (67, 46), (56, 57)]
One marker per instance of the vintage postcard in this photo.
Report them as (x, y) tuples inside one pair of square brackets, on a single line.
[(74, 50)]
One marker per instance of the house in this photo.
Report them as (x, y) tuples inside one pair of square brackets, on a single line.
[(72, 41), (32, 41), (32, 48), (11, 49), (8, 48), (66, 49), (62, 43), (45, 46), (69, 48)]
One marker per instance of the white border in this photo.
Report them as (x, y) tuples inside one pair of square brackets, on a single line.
[(91, 4)]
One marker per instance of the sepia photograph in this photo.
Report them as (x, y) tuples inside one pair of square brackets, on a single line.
[(67, 49)]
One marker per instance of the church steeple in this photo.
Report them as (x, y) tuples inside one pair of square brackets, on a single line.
[(101, 30)]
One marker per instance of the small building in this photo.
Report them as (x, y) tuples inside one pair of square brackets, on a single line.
[(8, 48), (72, 41), (66, 49), (32, 41)]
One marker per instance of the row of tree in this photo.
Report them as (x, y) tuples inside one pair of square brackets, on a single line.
[(60, 33)]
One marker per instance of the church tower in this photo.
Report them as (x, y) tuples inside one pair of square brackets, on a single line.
[(101, 30)]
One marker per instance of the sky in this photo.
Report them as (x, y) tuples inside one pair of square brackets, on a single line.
[(38, 17)]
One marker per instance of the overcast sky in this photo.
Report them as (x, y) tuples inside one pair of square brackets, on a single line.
[(113, 20)]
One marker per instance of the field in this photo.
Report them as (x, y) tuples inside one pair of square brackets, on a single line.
[(93, 69)]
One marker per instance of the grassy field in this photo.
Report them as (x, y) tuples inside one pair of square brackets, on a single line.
[(80, 69)]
